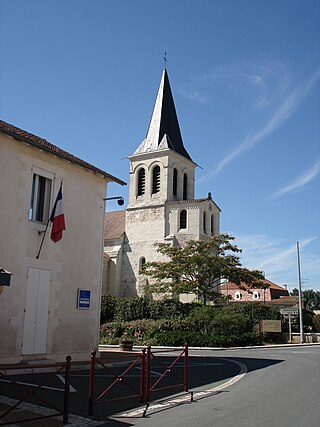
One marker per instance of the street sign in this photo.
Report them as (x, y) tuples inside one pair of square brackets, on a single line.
[(270, 326), (290, 311), (83, 299)]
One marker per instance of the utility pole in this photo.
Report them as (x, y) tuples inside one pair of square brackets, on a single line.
[(300, 297)]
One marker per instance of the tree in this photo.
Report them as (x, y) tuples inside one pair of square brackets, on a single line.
[(198, 266), (311, 297)]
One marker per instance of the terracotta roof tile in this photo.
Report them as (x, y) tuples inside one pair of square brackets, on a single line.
[(115, 223), (232, 286), (22, 135), (205, 199)]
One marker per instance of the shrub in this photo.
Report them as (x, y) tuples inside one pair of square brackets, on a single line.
[(227, 323), (108, 305), (168, 309), (128, 309), (169, 322), (255, 311), (177, 338), (316, 322)]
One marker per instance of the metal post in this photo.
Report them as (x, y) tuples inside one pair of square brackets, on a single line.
[(148, 374), (142, 375), (91, 382), (290, 331), (66, 390), (300, 297), (186, 368)]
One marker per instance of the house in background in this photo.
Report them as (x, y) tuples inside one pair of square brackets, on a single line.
[(52, 307), (162, 207), (244, 293)]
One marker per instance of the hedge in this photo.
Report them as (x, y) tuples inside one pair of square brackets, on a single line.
[(172, 323), (127, 309)]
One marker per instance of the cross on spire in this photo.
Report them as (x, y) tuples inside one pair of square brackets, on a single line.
[(165, 59)]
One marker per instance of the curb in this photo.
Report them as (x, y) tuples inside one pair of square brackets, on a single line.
[(106, 347)]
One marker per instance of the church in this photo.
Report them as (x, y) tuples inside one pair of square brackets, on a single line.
[(161, 206)]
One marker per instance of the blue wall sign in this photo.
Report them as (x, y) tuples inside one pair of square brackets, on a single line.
[(83, 300)]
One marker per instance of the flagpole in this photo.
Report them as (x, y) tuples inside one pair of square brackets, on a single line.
[(45, 231), (44, 235)]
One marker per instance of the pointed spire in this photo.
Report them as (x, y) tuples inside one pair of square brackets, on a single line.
[(164, 130)]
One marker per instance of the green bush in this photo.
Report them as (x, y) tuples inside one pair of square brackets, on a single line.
[(171, 323), (254, 311), (177, 338), (128, 309), (316, 322), (169, 332), (108, 305), (168, 309), (227, 323), (201, 318)]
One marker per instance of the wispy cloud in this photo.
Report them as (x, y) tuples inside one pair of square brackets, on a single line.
[(300, 181), (284, 110), (261, 81), (277, 260), (196, 95)]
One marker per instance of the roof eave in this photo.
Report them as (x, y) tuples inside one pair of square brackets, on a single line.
[(71, 159)]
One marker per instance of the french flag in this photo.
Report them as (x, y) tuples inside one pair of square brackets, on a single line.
[(57, 218)]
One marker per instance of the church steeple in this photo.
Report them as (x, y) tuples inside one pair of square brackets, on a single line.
[(164, 131)]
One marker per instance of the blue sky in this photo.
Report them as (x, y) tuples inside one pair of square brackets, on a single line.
[(245, 76)]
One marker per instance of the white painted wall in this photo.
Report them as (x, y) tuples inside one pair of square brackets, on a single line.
[(74, 262)]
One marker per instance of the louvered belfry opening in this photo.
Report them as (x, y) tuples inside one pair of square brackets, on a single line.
[(175, 182), (141, 182), (156, 180), (185, 186)]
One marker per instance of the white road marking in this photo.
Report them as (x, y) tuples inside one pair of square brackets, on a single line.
[(62, 379), (196, 395), (72, 390)]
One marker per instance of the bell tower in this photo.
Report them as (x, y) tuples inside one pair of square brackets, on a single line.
[(161, 169), (161, 206)]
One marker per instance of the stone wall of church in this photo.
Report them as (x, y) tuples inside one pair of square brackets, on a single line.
[(144, 227)]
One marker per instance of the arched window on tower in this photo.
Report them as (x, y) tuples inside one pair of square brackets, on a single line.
[(175, 182), (156, 180), (204, 220), (185, 186), (183, 219), (141, 182), (212, 225), (142, 263)]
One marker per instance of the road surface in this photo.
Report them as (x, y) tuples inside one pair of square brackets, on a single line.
[(275, 387)]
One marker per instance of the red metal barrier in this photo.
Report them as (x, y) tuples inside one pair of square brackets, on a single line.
[(34, 392), (168, 370), (119, 378)]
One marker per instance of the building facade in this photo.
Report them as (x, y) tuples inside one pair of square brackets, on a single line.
[(162, 206), (270, 292), (41, 314)]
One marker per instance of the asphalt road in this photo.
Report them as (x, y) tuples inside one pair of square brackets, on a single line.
[(279, 387), (251, 387)]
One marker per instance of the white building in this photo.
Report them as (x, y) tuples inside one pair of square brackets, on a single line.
[(39, 314), (161, 207)]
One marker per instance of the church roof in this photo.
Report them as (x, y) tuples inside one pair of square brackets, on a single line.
[(164, 131), (206, 199), (114, 225)]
